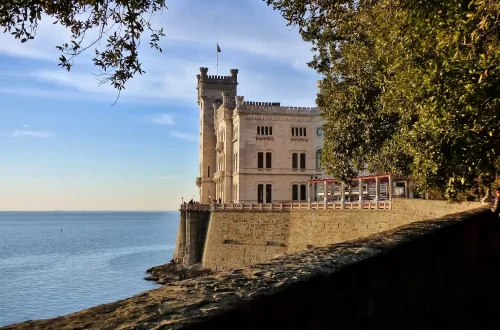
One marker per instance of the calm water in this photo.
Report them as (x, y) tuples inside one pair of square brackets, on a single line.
[(98, 257)]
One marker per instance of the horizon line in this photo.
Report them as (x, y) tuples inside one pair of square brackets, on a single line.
[(3, 211)]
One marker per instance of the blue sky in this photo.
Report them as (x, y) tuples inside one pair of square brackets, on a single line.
[(63, 146)]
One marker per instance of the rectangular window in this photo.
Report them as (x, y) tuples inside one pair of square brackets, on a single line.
[(260, 160), (269, 157), (299, 131), (295, 192), (209, 171), (294, 161), (260, 193), (269, 189), (302, 161), (303, 190), (264, 130)]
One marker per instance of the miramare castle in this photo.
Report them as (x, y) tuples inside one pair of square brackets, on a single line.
[(254, 152)]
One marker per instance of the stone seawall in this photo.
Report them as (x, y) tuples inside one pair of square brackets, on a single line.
[(437, 274), (239, 238)]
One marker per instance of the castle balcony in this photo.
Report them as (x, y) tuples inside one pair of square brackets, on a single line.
[(219, 176), (198, 181), (219, 146)]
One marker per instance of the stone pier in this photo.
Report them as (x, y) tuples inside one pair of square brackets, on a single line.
[(191, 235)]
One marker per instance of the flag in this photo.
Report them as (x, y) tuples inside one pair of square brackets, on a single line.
[(218, 48)]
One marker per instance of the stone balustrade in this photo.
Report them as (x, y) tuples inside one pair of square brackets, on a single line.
[(366, 205), (195, 207)]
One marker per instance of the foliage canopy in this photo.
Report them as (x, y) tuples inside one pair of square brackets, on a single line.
[(410, 87), (120, 22)]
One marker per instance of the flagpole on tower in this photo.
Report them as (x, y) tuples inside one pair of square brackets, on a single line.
[(218, 51)]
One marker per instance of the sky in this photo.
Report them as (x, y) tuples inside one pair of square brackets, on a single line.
[(65, 146)]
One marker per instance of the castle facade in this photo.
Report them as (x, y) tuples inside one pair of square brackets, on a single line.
[(254, 152)]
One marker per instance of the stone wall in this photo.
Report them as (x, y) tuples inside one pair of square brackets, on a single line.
[(437, 274), (239, 238)]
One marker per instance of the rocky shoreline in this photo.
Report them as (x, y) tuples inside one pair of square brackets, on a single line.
[(173, 271), (262, 290)]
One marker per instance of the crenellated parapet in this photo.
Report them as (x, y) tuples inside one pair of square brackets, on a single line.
[(215, 78), (205, 77), (272, 108), (263, 104)]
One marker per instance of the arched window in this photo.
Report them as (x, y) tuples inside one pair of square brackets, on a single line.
[(260, 193), (303, 189), (260, 160), (269, 198), (295, 192), (294, 160), (269, 157), (319, 153), (302, 161)]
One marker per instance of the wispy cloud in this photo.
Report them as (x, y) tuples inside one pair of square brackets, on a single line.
[(35, 134), (184, 136), (25, 125), (190, 43), (175, 79), (163, 119), (43, 47), (49, 93)]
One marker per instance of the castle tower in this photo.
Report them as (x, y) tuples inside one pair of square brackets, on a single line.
[(210, 90)]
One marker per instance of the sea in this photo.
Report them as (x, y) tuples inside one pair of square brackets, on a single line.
[(56, 263)]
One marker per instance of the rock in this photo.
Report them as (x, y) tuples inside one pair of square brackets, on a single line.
[(172, 271)]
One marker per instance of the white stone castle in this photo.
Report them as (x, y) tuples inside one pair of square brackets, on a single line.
[(254, 152)]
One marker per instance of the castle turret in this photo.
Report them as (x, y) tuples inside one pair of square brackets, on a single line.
[(239, 101), (234, 75), (210, 89)]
